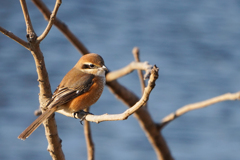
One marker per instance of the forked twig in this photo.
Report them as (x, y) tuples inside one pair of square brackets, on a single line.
[(61, 26)]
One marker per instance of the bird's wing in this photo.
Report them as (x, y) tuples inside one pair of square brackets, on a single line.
[(70, 89)]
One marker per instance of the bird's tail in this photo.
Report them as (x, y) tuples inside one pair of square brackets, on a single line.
[(30, 129)]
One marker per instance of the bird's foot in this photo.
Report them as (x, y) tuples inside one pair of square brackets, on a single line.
[(81, 115)]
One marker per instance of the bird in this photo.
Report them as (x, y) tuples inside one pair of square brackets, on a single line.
[(80, 88)]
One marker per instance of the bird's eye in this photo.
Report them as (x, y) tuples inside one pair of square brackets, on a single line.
[(91, 66), (88, 66)]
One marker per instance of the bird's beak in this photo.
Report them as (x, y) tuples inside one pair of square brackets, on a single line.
[(105, 68)]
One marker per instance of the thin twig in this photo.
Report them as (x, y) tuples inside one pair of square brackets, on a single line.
[(50, 22), (198, 105), (14, 37), (135, 52), (26, 16), (31, 35), (128, 69)]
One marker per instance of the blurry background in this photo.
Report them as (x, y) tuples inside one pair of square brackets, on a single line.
[(194, 43)]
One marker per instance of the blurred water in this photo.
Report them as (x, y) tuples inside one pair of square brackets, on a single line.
[(195, 44)]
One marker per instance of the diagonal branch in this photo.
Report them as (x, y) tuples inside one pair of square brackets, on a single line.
[(198, 105), (14, 37)]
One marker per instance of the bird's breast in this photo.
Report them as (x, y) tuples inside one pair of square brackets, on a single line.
[(89, 97)]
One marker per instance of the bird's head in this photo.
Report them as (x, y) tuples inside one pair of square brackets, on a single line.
[(93, 64)]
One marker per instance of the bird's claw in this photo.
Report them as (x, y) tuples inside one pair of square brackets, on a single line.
[(81, 115)]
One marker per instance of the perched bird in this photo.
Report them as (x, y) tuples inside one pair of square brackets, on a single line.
[(79, 89)]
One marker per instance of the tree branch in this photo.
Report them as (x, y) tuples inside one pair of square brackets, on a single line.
[(31, 35), (89, 140), (50, 22), (14, 37), (26, 16), (135, 52), (128, 69), (61, 26), (198, 105)]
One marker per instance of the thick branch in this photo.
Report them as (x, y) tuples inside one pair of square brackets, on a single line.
[(54, 142), (199, 105), (128, 69)]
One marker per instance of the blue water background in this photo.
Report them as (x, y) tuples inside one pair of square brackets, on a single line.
[(195, 44)]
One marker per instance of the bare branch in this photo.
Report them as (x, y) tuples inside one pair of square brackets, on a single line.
[(54, 142), (89, 140), (135, 52), (26, 15), (14, 37), (198, 105), (61, 26), (31, 35), (128, 69), (50, 22)]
